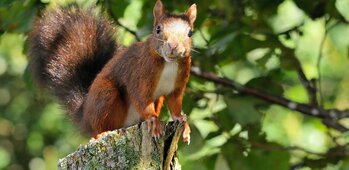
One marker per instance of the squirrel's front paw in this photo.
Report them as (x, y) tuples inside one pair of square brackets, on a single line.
[(181, 118), (186, 131), (155, 127)]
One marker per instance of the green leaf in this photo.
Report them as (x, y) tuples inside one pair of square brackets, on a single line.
[(118, 7), (241, 110), (343, 8)]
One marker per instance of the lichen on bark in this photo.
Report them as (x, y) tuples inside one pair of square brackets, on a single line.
[(129, 148)]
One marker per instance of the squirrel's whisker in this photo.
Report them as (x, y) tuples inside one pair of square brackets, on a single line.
[(195, 51)]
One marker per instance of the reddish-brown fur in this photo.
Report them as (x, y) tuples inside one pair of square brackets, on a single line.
[(131, 77), (136, 70)]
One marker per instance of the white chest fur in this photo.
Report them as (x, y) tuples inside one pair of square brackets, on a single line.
[(165, 86), (167, 80)]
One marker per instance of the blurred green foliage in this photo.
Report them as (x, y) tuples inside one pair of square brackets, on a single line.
[(252, 42)]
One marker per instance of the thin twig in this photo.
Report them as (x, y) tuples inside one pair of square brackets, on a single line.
[(307, 84), (318, 64), (134, 33)]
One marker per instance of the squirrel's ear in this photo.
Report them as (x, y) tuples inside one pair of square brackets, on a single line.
[(158, 11), (191, 13)]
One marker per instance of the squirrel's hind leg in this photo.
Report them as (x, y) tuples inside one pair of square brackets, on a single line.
[(104, 108)]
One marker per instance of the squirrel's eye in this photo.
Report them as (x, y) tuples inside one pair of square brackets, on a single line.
[(190, 33), (158, 29)]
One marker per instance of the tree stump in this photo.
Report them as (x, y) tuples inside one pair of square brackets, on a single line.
[(129, 148)]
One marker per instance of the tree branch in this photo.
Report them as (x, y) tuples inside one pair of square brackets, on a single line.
[(329, 116)]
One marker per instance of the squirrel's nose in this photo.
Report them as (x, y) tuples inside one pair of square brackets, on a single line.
[(173, 45)]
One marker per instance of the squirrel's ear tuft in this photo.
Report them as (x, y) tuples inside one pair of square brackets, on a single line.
[(191, 13), (158, 11)]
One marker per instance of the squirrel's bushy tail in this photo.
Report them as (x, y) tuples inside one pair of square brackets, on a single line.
[(68, 47)]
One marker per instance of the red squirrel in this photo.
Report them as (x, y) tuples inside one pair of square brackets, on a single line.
[(104, 86)]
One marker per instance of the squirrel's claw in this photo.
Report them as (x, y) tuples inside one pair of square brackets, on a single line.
[(155, 127), (186, 133)]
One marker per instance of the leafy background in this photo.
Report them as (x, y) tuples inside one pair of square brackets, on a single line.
[(296, 50)]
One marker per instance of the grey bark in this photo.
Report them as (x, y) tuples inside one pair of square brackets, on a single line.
[(130, 148)]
